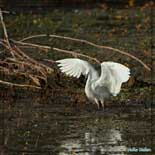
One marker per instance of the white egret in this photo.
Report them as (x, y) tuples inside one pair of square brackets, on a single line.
[(97, 88)]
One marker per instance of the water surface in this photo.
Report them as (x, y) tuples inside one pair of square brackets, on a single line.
[(37, 125)]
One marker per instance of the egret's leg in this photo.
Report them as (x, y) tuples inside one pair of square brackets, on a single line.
[(102, 103), (98, 105)]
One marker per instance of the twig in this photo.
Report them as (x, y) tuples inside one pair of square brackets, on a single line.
[(21, 55), (92, 44), (16, 55), (46, 68), (3, 25), (5, 33), (6, 138), (20, 63), (75, 54), (51, 61), (36, 143), (32, 66), (43, 47), (18, 85), (34, 78), (7, 12), (34, 36)]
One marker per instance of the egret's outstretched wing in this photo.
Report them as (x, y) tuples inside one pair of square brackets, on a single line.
[(112, 76), (75, 67)]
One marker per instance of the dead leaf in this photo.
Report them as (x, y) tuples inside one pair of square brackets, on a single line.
[(146, 52), (138, 27), (97, 35), (118, 17), (131, 3), (131, 81)]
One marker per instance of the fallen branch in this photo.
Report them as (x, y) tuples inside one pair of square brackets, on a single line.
[(16, 55), (51, 61), (20, 63), (76, 54), (5, 34), (33, 67), (46, 68), (45, 47), (34, 78), (92, 44), (18, 85), (10, 69), (34, 36)]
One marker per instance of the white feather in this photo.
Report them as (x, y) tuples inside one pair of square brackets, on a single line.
[(75, 67), (112, 76)]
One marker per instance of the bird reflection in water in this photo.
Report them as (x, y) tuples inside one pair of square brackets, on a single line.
[(94, 144)]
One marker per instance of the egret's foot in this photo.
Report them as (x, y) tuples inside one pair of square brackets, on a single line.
[(102, 104), (97, 103), (100, 107)]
